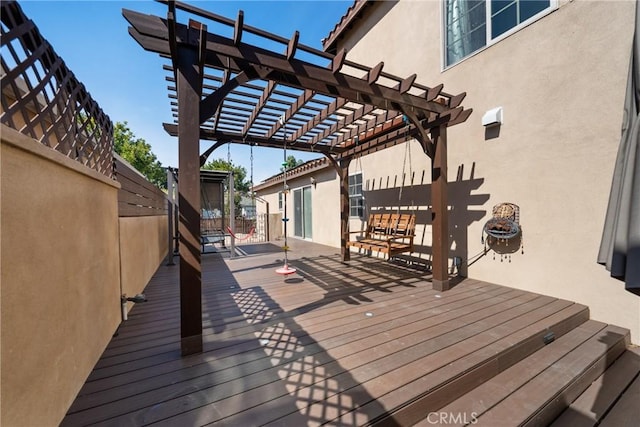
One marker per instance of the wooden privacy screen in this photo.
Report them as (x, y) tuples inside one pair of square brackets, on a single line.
[(137, 196), (42, 98)]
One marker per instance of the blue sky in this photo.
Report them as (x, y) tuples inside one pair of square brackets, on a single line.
[(129, 83)]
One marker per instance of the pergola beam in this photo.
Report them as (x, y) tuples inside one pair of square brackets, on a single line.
[(204, 156), (238, 27), (292, 46), (209, 135), (374, 74), (382, 140)]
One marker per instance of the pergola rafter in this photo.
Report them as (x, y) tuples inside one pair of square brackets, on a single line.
[(229, 91)]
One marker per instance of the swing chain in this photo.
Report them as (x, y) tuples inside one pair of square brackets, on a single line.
[(285, 189), (251, 160), (407, 153), (253, 193), (404, 162)]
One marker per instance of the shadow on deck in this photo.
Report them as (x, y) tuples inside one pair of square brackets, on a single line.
[(346, 344)]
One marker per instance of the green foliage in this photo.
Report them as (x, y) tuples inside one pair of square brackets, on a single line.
[(291, 163), (240, 182), (138, 153)]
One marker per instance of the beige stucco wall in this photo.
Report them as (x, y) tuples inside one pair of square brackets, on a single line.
[(143, 246), (326, 212), (59, 281), (270, 195), (325, 201), (561, 84)]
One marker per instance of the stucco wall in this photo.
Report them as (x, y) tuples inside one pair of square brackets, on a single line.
[(270, 196), (325, 200), (59, 281), (143, 246), (561, 84), (326, 211)]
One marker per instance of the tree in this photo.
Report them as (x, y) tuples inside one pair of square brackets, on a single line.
[(291, 163), (240, 183), (138, 153)]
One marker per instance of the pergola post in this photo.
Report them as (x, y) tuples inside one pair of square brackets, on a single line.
[(189, 90), (440, 215), (343, 172)]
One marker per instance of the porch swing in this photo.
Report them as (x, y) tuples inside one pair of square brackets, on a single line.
[(390, 233), (212, 208)]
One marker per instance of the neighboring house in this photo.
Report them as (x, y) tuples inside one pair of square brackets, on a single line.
[(247, 207), (557, 70)]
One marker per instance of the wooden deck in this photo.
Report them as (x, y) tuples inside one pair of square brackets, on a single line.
[(345, 344)]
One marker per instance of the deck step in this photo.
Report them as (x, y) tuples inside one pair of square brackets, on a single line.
[(537, 389), (625, 413), (460, 375), (608, 397)]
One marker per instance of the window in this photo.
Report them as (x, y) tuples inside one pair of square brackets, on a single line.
[(356, 199), (473, 24), (280, 200)]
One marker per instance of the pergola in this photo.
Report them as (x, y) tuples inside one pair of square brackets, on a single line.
[(224, 89)]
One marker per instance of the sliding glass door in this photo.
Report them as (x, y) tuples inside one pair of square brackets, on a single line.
[(302, 224)]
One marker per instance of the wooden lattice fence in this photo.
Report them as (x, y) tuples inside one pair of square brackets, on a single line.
[(43, 99)]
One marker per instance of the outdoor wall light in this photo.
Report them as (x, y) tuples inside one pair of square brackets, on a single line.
[(313, 181)]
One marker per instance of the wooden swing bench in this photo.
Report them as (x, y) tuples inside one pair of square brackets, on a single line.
[(388, 233)]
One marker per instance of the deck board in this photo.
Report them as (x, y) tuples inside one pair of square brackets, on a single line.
[(340, 343), (437, 380), (403, 319), (625, 412), (557, 378), (590, 408), (490, 393)]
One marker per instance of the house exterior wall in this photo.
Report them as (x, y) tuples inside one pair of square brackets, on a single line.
[(326, 212), (325, 202), (561, 83), (270, 196)]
